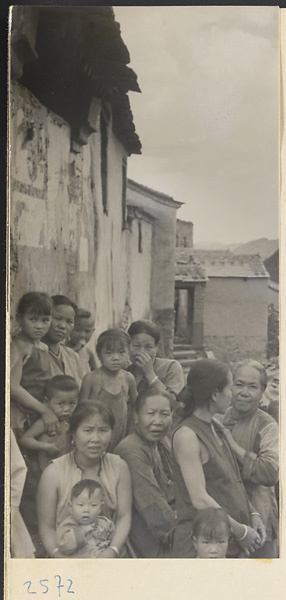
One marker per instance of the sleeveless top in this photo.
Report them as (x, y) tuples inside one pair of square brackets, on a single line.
[(117, 403), (223, 480), (69, 473)]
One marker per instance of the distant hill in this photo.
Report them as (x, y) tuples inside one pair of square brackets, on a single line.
[(263, 246), (272, 266)]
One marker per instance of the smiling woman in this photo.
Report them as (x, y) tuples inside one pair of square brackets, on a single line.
[(63, 360), (91, 427)]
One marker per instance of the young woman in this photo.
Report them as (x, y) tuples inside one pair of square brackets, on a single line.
[(91, 427), (205, 471), (148, 454), (63, 360)]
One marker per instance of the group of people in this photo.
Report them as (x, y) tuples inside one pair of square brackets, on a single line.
[(113, 456)]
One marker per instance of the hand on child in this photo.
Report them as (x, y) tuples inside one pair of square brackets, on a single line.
[(50, 420)]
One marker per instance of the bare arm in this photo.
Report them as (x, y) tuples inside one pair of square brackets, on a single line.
[(188, 456), (124, 506), (47, 496), (132, 388), (30, 442), (88, 387)]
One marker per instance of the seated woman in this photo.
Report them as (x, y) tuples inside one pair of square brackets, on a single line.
[(91, 427), (164, 373), (147, 453), (206, 473), (63, 360)]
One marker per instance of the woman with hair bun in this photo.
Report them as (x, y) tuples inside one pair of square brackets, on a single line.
[(205, 470)]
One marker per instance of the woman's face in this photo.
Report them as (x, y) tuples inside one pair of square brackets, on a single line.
[(247, 389), (92, 438), (223, 397), (154, 418), (61, 324), (140, 343)]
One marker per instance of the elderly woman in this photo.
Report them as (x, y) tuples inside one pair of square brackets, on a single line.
[(147, 453), (164, 373), (90, 427)]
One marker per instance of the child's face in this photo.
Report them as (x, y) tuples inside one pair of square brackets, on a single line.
[(33, 326), (82, 332), (86, 508), (115, 358), (63, 403), (214, 547)]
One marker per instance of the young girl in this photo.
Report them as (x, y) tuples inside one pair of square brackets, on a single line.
[(211, 533), (61, 397), (30, 366), (110, 383), (63, 360)]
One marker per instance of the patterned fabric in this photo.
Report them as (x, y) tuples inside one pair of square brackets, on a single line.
[(83, 541)]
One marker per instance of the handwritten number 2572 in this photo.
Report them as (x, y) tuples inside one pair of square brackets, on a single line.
[(44, 584)]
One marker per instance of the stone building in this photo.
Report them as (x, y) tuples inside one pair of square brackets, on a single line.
[(78, 227), (234, 301), (71, 132), (156, 234), (184, 234)]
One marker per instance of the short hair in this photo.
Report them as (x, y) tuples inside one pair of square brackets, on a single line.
[(36, 303), (147, 327), (59, 300), (209, 522), (83, 313), (91, 485), (110, 338), (149, 393), (87, 409), (64, 383), (255, 364)]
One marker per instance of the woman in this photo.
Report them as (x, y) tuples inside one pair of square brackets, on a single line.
[(205, 471), (147, 453), (90, 427), (164, 373), (63, 360)]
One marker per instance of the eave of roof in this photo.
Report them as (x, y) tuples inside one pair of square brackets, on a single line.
[(154, 194)]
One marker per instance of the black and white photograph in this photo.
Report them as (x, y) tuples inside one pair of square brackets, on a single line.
[(144, 284)]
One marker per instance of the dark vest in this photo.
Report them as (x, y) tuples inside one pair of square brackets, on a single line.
[(223, 481)]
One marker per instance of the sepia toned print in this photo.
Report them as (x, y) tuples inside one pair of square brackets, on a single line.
[(144, 286)]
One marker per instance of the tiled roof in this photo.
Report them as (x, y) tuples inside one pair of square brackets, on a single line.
[(217, 263), (188, 269), (154, 194)]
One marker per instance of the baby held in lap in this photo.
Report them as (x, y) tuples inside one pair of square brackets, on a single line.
[(85, 533)]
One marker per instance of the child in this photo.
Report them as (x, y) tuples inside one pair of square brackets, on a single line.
[(110, 383), (211, 533), (79, 338), (30, 365), (62, 393), (84, 533)]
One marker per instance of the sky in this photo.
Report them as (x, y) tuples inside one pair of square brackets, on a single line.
[(208, 114)]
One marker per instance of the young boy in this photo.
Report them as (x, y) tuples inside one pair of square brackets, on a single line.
[(79, 338), (211, 533), (61, 396), (85, 533)]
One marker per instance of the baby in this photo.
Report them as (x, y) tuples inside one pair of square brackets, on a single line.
[(61, 397), (211, 533), (85, 533)]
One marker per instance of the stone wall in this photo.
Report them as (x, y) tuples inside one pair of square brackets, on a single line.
[(184, 234)]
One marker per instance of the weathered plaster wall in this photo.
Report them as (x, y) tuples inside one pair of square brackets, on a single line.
[(235, 317), (184, 234), (61, 242), (140, 270)]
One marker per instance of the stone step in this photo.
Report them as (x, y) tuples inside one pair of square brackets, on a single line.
[(178, 354)]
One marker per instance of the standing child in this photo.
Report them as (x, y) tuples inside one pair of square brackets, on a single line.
[(111, 383), (61, 397), (211, 533), (85, 533), (30, 365)]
